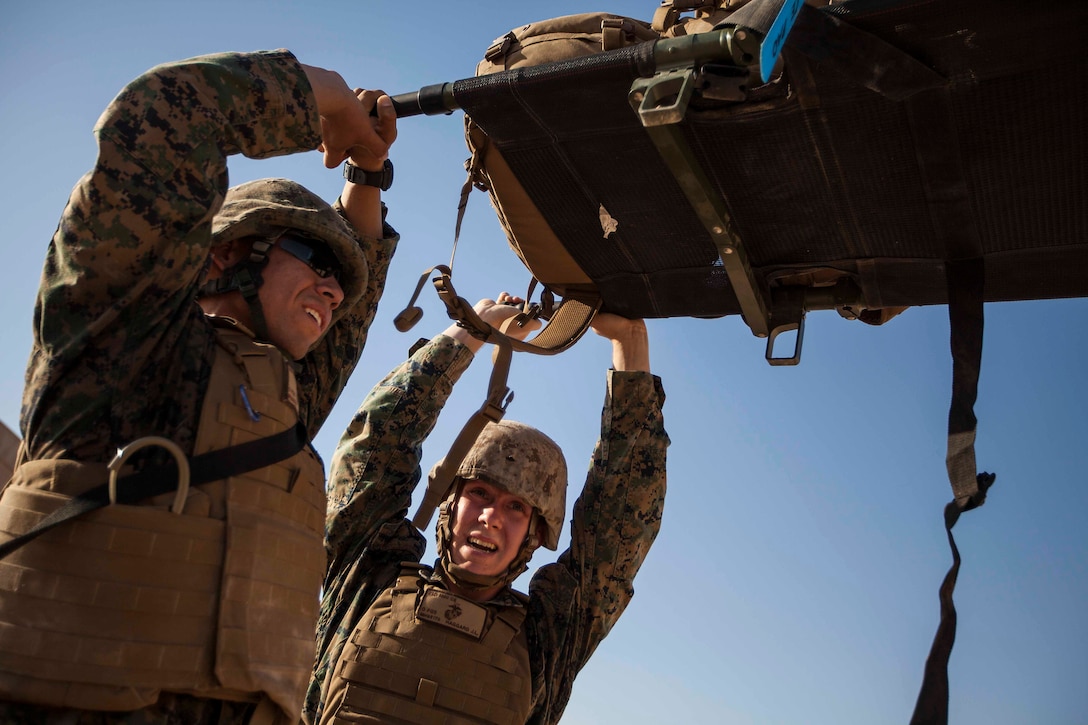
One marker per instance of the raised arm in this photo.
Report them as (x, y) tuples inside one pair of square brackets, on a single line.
[(138, 226), (350, 126), (376, 466), (576, 601), (122, 271), (362, 203), (630, 341)]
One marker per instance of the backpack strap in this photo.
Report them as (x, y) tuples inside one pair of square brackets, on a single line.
[(566, 323), (206, 467), (492, 410)]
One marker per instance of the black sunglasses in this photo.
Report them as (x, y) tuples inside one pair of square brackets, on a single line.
[(314, 253)]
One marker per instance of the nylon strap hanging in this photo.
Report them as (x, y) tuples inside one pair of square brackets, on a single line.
[(895, 75), (937, 148), (136, 487), (965, 285)]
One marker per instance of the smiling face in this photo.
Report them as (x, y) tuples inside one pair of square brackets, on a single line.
[(297, 302), (490, 526)]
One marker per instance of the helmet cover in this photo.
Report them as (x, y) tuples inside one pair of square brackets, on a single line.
[(526, 463), (266, 207)]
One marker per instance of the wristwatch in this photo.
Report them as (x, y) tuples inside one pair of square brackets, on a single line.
[(382, 179)]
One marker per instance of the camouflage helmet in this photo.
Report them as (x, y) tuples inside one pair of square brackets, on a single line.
[(266, 207), (528, 464)]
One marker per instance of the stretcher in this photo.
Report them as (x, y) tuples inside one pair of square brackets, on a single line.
[(901, 135), (863, 156)]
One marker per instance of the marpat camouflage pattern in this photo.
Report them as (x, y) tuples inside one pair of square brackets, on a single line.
[(121, 349), (574, 602)]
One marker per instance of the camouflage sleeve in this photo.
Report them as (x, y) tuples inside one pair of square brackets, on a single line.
[(120, 274), (376, 466), (326, 369), (576, 601), (138, 226)]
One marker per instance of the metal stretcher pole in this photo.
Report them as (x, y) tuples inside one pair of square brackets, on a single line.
[(749, 40), (771, 20)]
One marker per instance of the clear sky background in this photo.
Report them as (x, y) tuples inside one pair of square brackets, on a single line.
[(795, 577)]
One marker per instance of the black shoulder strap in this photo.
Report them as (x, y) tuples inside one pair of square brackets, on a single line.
[(965, 280), (937, 148), (206, 467), (899, 77)]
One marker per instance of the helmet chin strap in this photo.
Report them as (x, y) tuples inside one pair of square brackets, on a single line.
[(245, 277)]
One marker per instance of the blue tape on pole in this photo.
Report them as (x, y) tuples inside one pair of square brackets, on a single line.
[(776, 37)]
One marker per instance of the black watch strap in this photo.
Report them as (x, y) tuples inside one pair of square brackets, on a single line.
[(382, 179)]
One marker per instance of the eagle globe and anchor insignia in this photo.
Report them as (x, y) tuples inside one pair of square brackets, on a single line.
[(453, 612), (441, 607)]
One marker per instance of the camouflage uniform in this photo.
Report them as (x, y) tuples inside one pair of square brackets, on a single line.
[(116, 310), (121, 348), (573, 602)]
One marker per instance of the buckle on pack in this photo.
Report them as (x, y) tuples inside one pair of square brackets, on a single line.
[(500, 46), (615, 33)]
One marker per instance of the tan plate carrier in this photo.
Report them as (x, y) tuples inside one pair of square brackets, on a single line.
[(219, 601)]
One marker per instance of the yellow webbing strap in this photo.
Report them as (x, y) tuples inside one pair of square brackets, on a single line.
[(566, 323)]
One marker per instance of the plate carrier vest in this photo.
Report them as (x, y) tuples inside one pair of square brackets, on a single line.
[(220, 601), (424, 656)]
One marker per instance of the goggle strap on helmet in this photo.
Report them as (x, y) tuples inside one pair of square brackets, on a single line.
[(259, 252)]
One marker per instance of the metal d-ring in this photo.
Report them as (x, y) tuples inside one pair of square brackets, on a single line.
[(123, 454)]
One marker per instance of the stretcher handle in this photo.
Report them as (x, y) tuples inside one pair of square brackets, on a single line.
[(770, 20), (433, 100)]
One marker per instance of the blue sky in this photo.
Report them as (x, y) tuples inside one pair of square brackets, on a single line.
[(795, 577)]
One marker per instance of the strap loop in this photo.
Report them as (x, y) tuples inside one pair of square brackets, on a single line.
[(123, 454), (566, 323)]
